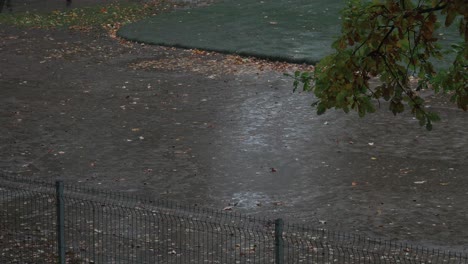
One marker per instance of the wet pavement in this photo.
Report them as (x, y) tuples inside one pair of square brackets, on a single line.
[(71, 107), (18, 6)]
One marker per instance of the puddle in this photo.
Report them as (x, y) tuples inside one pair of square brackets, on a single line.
[(249, 200)]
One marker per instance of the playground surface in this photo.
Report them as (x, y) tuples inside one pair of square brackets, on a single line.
[(297, 31), (223, 131), (294, 31)]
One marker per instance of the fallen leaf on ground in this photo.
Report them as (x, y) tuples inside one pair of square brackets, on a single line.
[(405, 171)]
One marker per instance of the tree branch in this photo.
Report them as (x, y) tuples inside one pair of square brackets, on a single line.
[(386, 36), (432, 9)]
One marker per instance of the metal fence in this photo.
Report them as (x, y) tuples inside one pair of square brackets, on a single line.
[(44, 222)]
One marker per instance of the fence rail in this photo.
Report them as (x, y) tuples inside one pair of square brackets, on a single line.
[(44, 222)]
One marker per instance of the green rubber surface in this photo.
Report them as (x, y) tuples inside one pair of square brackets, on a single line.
[(294, 31), (299, 31)]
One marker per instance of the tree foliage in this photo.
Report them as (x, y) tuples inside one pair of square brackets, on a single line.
[(394, 40)]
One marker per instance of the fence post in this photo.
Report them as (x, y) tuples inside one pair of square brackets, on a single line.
[(279, 243), (60, 222)]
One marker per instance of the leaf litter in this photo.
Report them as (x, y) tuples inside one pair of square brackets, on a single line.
[(213, 64)]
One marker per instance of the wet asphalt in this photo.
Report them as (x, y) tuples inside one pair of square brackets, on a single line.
[(72, 108)]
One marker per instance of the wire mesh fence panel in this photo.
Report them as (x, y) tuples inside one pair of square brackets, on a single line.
[(307, 245), (27, 226), (38, 219), (110, 233)]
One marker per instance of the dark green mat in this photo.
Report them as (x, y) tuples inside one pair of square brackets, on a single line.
[(294, 31)]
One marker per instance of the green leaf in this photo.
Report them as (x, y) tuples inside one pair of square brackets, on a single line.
[(429, 126), (433, 117), (321, 108)]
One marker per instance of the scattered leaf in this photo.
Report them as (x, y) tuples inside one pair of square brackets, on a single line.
[(405, 171)]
